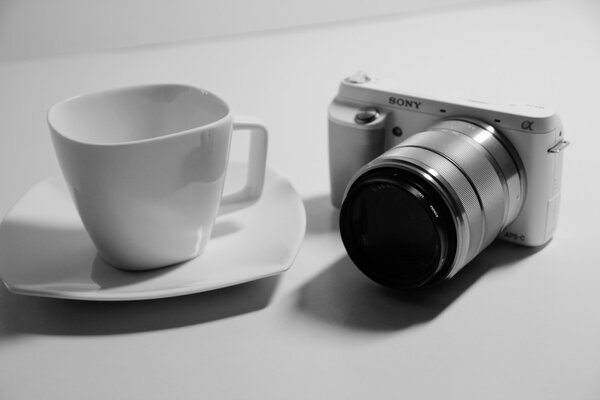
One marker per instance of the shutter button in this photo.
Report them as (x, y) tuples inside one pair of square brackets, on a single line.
[(366, 115)]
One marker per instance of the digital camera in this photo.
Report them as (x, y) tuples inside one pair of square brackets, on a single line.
[(424, 184)]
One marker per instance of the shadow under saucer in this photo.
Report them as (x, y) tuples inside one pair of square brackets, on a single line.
[(27, 314)]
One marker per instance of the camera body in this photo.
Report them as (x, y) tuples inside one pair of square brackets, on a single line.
[(370, 118)]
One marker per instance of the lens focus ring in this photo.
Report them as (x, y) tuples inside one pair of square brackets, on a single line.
[(473, 165), (477, 155)]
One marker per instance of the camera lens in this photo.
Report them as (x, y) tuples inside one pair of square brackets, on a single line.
[(421, 211), (392, 219)]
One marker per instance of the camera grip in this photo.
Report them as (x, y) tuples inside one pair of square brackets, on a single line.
[(350, 148)]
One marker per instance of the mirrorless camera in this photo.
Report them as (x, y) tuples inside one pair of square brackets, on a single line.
[(424, 184)]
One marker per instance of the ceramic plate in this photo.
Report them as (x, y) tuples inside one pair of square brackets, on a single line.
[(45, 250)]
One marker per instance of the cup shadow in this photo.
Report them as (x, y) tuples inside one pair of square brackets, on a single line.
[(343, 296), (21, 314), (107, 276)]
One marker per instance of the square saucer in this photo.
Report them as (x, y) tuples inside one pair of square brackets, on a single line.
[(45, 250)]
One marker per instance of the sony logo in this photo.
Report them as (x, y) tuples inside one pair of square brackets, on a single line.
[(399, 101)]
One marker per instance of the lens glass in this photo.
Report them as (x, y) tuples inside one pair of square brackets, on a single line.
[(393, 231)]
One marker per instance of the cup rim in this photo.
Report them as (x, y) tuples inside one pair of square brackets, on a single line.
[(50, 114)]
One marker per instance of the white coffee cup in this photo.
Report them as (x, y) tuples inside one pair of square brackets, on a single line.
[(146, 165)]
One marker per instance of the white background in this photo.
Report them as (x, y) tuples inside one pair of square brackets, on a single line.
[(517, 324), (34, 29)]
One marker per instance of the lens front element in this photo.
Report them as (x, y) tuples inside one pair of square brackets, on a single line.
[(396, 227)]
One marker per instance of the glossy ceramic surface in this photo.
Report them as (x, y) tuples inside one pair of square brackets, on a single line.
[(145, 166), (45, 250)]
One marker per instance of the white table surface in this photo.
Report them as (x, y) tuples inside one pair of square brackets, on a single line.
[(517, 324)]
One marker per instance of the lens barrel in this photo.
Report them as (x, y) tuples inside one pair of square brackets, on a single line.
[(422, 210)]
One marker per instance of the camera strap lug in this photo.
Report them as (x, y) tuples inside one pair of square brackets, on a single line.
[(558, 147)]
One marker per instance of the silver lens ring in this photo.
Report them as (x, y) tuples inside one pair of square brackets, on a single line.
[(500, 153)]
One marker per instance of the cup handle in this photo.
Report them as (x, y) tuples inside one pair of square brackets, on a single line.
[(257, 164)]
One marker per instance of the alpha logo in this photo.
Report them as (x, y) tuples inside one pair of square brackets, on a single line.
[(400, 102), (527, 125)]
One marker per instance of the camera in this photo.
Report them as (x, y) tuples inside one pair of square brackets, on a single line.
[(424, 184)]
